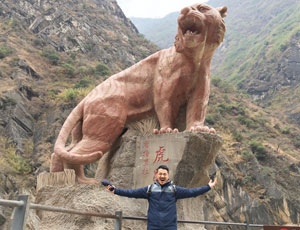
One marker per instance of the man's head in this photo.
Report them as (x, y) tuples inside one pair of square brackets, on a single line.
[(162, 174)]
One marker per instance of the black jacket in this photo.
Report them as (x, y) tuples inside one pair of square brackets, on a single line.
[(162, 213)]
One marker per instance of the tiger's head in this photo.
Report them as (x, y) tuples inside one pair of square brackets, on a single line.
[(200, 25)]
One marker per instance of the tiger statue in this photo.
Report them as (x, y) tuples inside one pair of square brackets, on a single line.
[(158, 85)]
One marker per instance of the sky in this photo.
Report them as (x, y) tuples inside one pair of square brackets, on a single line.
[(153, 8)]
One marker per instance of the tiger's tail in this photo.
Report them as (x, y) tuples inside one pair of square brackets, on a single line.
[(59, 147)]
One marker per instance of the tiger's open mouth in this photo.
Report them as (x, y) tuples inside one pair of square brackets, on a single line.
[(190, 26)]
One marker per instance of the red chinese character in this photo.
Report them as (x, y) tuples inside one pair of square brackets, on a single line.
[(146, 144), (146, 162), (154, 175), (145, 171), (160, 155), (146, 153)]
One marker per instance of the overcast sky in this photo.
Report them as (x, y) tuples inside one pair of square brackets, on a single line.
[(153, 8)]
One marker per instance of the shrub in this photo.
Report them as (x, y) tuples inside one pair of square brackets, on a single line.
[(247, 179), (210, 120), (247, 155), (227, 99), (247, 121), (68, 69), (39, 42), (85, 71), (51, 55), (5, 51), (283, 47), (102, 70), (238, 136), (285, 130), (224, 108), (16, 161), (73, 95), (297, 143), (14, 61), (216, 82), (83, 83), (258, 149)]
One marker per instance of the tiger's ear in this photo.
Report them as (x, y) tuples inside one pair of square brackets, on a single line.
[(223, 11)]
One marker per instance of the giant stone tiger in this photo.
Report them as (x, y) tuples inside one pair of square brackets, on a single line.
[(158, 85)]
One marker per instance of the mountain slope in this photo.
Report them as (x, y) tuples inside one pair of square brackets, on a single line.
[(52, 53), (161, 31)]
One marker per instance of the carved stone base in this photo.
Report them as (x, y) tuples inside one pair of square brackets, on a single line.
[(189, 157), (130, 164)]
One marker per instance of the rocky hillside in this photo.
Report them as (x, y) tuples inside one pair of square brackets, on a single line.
[(261, 52), (52, 54)]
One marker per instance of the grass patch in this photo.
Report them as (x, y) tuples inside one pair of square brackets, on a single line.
[(5, 51), (11, 159)]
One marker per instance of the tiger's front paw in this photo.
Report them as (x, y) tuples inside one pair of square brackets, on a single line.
[(202, 128), (165, 130)]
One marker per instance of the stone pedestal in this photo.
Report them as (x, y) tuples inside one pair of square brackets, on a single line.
[(130, 164), (189, 157)]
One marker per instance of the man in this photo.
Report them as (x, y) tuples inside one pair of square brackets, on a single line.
[(162, 197)]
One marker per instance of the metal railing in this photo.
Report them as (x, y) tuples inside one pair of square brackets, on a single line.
[(22, 205)]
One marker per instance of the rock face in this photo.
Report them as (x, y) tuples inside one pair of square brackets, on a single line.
[(285, 73), (95, 26), (16, 117), (191, 170)]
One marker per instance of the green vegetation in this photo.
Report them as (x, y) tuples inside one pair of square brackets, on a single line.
[(247, 155), (237, 135), (209, 119), (247, 179), (11, 159), (102, 69), (250, 123), (248, 50), (39, 42), (268, 171), (14, 61), (84, 83), (51, 55), (68, 69), (5, 51), (73, 94), (218, 82), (296, 142), (285, 130), (258, 149)]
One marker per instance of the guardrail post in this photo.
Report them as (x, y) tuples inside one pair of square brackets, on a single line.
[(248, 227), (247, 221), (20, 214), (118, 223)]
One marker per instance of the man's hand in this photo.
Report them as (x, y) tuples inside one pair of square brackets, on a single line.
[(110, 188), (212, 183)]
